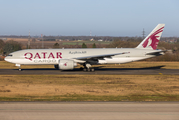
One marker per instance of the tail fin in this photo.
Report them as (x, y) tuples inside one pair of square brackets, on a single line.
[(151, 41)]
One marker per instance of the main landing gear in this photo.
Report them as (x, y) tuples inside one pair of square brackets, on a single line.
[(87, 68)]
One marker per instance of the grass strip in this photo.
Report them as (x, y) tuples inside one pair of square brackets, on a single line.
[(85, 97), (89, 87)]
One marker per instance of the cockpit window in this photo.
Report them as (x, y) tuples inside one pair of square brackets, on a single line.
[(10, 55)]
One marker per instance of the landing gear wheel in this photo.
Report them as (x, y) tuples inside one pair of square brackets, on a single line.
[(84, 69), (88, 70), (92, 69)]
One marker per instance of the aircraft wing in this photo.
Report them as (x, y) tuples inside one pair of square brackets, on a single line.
[(99, 56)]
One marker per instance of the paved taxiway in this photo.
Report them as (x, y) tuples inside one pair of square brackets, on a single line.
[(89, 110), (107, 71)]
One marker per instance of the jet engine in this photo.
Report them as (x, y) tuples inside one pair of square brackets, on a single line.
[(65, 64)]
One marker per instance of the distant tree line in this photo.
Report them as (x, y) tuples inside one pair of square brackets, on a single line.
[(72, 38), (9, 46)]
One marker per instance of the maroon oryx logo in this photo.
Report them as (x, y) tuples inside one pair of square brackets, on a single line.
[(65, 64), (153, 38)]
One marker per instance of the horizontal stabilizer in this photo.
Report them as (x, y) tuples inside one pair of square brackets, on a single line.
[(157, 53)]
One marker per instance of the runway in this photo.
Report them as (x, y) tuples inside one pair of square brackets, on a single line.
[(89, 110), (99, 71)]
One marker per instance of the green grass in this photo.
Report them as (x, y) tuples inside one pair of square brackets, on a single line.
[(86, 97)]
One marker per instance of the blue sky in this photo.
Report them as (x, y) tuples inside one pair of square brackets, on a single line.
[(79, 17)]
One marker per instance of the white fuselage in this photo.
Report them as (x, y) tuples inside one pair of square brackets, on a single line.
[(52, 56)]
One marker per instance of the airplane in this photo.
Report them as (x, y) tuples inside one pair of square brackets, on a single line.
[(67, 59)]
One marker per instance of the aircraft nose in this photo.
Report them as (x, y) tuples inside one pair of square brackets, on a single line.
[(7, 59)]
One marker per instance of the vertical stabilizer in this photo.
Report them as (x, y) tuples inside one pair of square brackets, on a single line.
[(151, 41)]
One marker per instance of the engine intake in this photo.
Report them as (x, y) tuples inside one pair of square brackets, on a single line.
[(65, 64)]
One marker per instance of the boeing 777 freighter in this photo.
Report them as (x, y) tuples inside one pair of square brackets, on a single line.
[(67, 59)]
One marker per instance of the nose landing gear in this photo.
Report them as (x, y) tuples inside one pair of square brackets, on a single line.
[(18, 65)]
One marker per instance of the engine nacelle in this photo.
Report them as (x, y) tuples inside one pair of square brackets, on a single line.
[(65, 64)]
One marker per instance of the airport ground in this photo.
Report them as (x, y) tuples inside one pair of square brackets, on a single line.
[(41, 92), (91, 87), (89, 110)]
